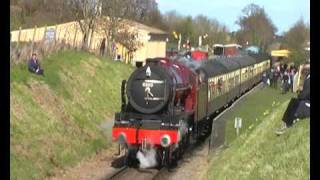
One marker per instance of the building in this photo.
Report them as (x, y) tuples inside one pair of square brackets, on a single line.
[(218, 49), (231, 49)]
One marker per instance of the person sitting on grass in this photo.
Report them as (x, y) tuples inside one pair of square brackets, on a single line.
[(298, 107), (34, 66)]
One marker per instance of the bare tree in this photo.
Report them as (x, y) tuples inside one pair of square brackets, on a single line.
[(298, 35), (85, 13), (255, 27), (114, 10), (117, 12), (129, 40), (171, 20), (191, 28), (296, 40)]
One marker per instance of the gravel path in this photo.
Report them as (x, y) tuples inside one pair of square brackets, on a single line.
[(97, 167)]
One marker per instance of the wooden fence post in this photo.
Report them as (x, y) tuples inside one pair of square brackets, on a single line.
[(34, 34), (91, 38), (88, 40), (44, 34), (56, 35), (19, 36), (74, 38)]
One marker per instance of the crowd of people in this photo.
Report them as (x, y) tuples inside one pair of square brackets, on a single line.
[(281, 76), (284, 77)]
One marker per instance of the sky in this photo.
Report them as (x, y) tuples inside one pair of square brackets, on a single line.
[(283, 13)]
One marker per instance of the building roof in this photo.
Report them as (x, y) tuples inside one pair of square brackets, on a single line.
[(232, 45), (253, 49), (280, 53), (218, 45), (148, 28)]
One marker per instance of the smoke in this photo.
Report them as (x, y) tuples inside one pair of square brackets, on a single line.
[(183, 128), (147, 158)]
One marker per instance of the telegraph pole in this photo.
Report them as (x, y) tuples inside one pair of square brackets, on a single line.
[(179, 42), (200, 41)]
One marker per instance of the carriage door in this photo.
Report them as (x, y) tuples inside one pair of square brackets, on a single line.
[(202, 97)]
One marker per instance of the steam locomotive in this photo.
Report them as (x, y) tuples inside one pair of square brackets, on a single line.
[(169, 102)]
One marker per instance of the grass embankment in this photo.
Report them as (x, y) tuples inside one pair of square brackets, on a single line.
[(55, 120), (258, 153), (253, 108)]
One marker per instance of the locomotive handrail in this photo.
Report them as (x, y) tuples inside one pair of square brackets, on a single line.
[(123, 97)]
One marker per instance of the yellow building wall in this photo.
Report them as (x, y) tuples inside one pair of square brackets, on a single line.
[(141, 53), (156, 49), (150, 49)]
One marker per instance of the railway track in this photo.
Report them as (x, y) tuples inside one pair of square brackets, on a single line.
[(130, 173), (154, 174), (115, 174)]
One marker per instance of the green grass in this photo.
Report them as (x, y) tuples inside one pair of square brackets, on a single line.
[(260, 154), (253, 109), (54, 120)]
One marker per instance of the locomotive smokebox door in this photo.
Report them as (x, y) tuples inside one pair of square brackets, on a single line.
[(148, 89)]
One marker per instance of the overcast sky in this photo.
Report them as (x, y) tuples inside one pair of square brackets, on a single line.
[(283, 13)]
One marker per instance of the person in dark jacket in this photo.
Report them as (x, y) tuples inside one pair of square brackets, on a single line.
[(271, 77), (34, 66), (276, 77), (285, 81), (265, 79), (298, 107)]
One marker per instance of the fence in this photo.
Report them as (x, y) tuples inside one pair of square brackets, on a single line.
[(69, 35), (48, 39)]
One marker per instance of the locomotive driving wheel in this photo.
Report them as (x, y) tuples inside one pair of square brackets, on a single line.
[(130, 157), (167, 157)]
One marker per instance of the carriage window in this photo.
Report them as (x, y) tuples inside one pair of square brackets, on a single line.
[(201, 77), (245, 73), (216, 87), (212, 88), (230, 82), (220, 81)]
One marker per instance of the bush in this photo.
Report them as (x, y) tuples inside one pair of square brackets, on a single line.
[(297, 56)]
